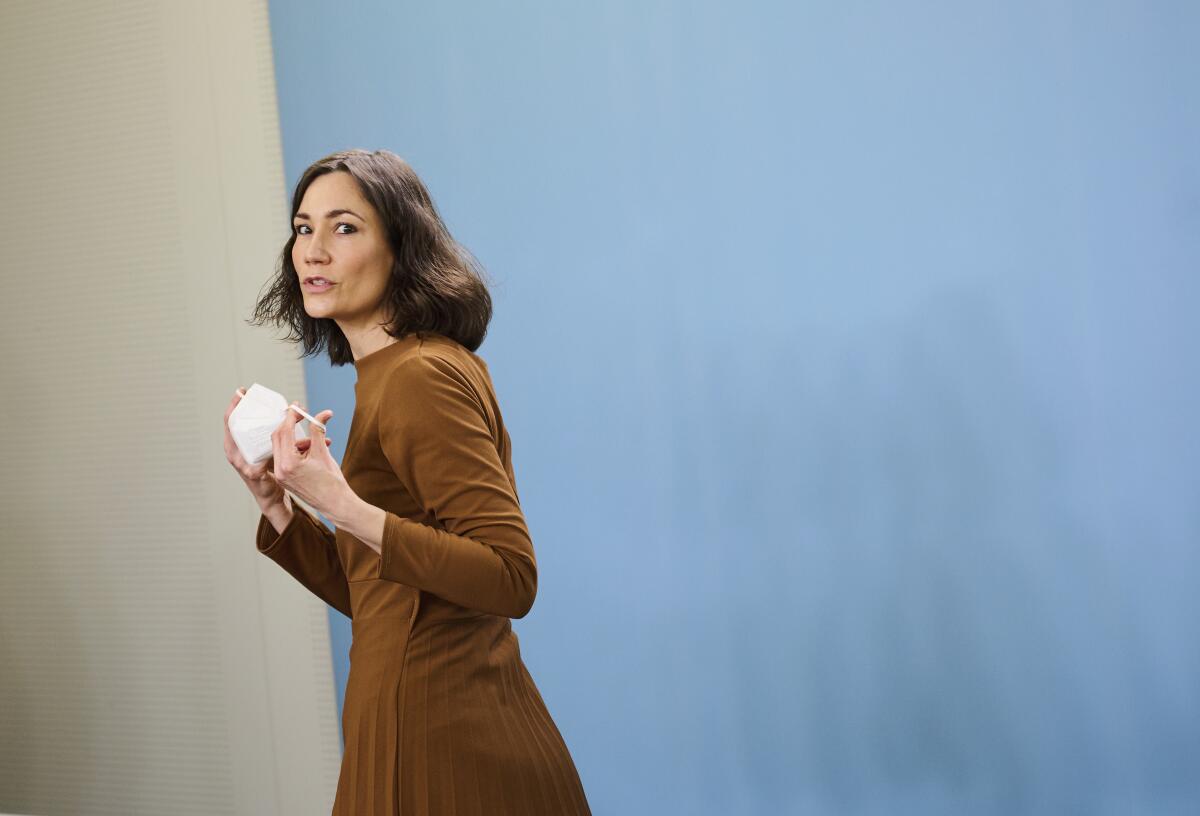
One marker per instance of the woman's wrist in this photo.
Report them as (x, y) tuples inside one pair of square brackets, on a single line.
[(273, 498), (360, 519), (279, 499), (279, 512)]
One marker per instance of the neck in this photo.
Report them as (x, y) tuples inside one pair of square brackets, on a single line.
[(365, 341)]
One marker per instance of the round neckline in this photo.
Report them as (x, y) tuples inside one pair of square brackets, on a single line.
[(369, 360)]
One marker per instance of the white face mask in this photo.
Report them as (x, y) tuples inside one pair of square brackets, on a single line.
[(255, 418)]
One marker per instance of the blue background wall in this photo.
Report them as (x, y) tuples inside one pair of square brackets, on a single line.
[(848, 353)]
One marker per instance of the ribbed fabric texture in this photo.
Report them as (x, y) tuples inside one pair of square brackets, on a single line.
[(441, 715)]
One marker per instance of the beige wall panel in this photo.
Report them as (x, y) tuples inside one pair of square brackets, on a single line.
[(151, 661)]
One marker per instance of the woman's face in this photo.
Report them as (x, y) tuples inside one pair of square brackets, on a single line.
[(340, 238)]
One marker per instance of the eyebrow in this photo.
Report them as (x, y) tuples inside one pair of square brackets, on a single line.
[(333, 214)]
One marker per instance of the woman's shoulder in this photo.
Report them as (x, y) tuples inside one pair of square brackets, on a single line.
[(435, 357), (443, 347), (437, 378)]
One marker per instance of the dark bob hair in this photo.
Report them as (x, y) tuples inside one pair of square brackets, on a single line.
[(436, 284)]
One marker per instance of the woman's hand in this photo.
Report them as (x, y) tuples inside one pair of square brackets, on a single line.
[(258, 478), (309, 471)]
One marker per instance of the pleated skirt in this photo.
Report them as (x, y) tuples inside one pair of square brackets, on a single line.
[(445, 719)]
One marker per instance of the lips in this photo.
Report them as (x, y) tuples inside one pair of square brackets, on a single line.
[(317, 285)]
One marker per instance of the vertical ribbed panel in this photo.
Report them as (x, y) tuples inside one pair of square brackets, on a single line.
[(152, 661)]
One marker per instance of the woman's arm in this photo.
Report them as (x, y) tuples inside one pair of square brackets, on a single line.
[(279, 513), (306, 549), (434, 433)]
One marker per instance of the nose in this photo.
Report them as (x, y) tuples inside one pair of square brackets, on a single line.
[(314, 250)]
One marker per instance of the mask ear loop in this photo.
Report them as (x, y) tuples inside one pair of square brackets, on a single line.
[(300, 411)]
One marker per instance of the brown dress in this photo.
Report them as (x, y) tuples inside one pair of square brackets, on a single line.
[(441, 715)]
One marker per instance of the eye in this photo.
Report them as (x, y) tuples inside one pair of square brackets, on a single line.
[(300, 227)]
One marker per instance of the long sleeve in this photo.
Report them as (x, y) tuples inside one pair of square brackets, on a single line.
[(306, 549), (435, 434)]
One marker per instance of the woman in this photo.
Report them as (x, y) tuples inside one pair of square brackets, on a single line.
[(431, 557)]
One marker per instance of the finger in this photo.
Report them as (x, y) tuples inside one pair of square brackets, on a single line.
[(318, 435), (304, 444), (323, 418), (237, 397), (290, 420), (283, 441), (297, 414), (302, 414), (288, 427)]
